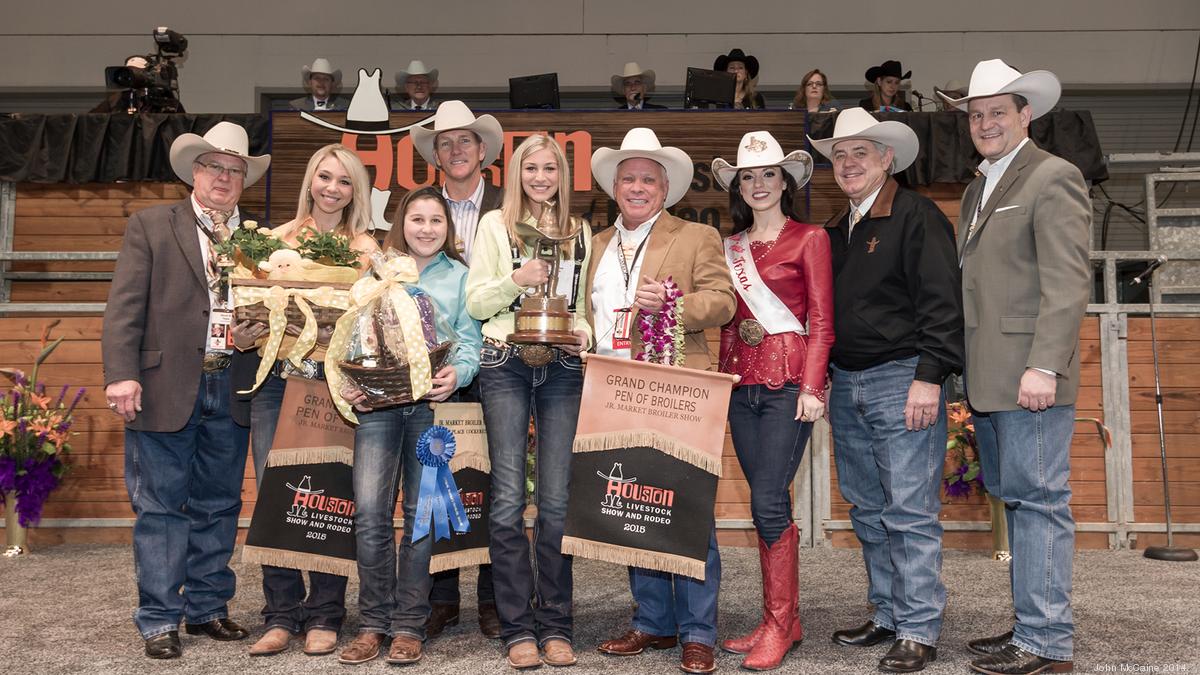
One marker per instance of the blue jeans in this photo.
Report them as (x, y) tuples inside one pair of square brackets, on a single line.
[(288, 606), (1025, 458), (393, 593), (674, 604), (769, 442), (533, 601), (185, 488), (892, 479)]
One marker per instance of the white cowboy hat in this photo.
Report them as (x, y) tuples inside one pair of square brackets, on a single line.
[(416, 67), (858, 123), (952, 87), (760, 149), (320, 65), (642, 142), (991, 78), (226, 138), (632, 69), (368, 112), (456, 115)]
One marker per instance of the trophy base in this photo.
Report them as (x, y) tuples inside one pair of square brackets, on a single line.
[(543, 321)]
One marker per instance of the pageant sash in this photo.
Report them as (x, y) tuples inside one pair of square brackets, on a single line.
[(438, 502), (770, 311)]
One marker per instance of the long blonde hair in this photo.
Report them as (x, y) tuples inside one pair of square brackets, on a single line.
[(515, 204), (356, 217)]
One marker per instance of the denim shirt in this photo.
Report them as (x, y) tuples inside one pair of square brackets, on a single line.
[(445, 281)]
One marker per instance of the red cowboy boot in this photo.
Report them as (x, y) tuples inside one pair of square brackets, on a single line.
[(744, 644), (781, 582)]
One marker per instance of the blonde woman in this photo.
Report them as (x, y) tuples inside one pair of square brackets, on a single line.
[(514, 384), (335, 198)]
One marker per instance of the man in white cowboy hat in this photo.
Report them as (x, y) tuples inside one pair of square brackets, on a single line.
[(1023, 243), (632, 86), (645, 246), (418, 82), (951, 90), (460, 145), (898, 321), (167, 350), (321, 81)]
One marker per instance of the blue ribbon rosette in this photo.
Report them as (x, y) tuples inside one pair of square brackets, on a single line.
[(438, 500)]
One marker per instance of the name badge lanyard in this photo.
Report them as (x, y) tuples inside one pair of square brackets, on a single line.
[(220, 331), (580, 254), (221, 286)]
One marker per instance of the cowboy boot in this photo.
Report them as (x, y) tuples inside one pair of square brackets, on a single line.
[(781, 591), (744, 644)]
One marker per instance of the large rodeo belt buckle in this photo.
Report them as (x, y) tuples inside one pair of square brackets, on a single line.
[(751, 332)]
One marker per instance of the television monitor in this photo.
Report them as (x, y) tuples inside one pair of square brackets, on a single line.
[(533, 91), (709, 86)]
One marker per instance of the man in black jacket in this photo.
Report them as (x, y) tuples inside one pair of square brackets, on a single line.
[(898, 322)]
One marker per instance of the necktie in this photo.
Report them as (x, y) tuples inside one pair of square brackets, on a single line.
[(975, 220), (221, 232), (855, 216), (320, 105)]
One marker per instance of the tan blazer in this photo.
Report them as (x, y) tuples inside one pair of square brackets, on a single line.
[(692, 255), (1026, 278)]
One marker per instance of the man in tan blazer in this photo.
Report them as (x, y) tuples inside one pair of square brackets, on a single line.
[(169, 373), (629, 263), (1023, 242)]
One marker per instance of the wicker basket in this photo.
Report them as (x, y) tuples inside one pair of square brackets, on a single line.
[(385, 380), (326, 316)]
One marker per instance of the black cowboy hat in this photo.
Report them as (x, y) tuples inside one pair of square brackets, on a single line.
[(724, 60), (886, 69)]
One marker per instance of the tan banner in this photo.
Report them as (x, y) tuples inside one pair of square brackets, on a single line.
[(647, 455), (472, 474), (308, 418)]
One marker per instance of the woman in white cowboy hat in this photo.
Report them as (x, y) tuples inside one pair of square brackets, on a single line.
[(334, 197), (778, 342), (518, 381)]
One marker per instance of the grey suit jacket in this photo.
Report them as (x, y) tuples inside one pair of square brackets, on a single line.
[(306, 103), (157, 315), (1026, 278)]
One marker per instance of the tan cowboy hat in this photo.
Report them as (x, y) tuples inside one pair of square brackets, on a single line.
[(642, 142), (323, 66), (456, 115), (858, 123), (951, 89), (226, 138), (368, 111), (760, 149), (416, 67), (991, 78), (632, 69)]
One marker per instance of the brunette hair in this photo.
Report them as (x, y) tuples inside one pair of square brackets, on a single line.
[(743, 215), (801, 100), (395, 236)]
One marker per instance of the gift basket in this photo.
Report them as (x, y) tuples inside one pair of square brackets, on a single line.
[(391, 340)]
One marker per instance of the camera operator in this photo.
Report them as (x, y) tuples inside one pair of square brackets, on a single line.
[(147, 83)]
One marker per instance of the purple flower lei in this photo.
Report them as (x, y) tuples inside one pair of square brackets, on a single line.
[(662, 332)]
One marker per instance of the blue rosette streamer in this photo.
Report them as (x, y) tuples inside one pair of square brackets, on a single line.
[(438, 501)]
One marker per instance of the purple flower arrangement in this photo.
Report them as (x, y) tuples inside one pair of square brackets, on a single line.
[(662, 332), (963, 475), (34, 429)]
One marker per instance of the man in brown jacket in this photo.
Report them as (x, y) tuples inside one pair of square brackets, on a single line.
[(167, 352), (629, 262), (1023, 242)]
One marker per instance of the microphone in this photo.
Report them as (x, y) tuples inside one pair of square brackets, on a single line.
[(920, 99), (1155, 264)]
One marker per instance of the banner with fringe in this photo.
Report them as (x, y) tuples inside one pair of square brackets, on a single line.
[(647, 456), (472, 474), (304, 515)]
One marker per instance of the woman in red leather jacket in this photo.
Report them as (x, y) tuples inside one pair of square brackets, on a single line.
[(778, 342)]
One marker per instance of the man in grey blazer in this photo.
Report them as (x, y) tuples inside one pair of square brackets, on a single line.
[(1023, 242), (321, 82), (169, 374)]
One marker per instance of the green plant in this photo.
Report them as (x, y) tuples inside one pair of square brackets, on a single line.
[(327, 248), (252, 242)]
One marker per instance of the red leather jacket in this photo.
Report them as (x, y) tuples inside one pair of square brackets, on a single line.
[(798, 269)]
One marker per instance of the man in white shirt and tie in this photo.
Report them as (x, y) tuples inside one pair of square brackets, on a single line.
[(418, 82)]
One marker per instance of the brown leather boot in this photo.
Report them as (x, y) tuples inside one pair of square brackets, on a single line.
[(781, 590), (365, 647)]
